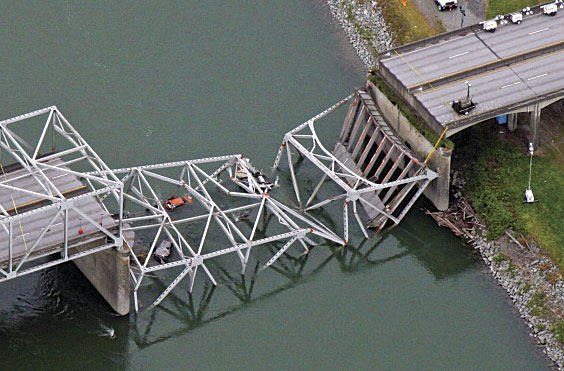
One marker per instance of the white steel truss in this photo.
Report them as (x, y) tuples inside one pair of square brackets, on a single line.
[(46, 196), (59, 199), (370, 165), (219, 198)]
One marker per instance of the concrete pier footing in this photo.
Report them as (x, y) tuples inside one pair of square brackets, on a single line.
[(108, 271), (438, 191)]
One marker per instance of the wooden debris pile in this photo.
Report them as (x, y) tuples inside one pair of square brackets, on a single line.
[(460, 218)]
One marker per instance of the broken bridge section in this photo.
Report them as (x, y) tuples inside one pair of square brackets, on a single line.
[(370, 165), (228, 212), (58, 199)]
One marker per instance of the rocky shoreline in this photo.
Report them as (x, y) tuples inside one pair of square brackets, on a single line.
[(531, 280), (529, 277), (364, 26)]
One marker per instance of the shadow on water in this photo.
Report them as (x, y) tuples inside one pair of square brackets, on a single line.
[(60, 310), (441, 253), (198, 309)]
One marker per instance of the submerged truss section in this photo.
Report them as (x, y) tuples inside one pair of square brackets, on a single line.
[(369, 165), (226, 215), (52, 189)]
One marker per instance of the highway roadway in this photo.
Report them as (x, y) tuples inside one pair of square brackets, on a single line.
[(504, 68), (497, 89)]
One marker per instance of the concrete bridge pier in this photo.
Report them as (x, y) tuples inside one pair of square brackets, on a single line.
[(512, 121), (108, 272), (534, 125)]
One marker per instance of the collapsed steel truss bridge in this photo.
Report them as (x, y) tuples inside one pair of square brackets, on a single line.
[(60, 201)]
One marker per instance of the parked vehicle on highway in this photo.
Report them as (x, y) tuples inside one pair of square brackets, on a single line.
[(446, 4), (464, 105), (550, 9), (490, 25), (515, 17)]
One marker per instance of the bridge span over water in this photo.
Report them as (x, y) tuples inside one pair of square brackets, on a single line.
[(517, 68), (60, 202)]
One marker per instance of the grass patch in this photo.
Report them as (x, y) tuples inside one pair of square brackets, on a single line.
[(558, 331), (512, 270), (497, 168), (553, 277), (499, 258), (496, 7), (537, 304), (407, 23), (413, 118), (526, 287)]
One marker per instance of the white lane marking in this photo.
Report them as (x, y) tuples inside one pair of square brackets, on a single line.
[(536, 77), (58, 176), (458, 55), (506, 86), (54, 225), (430, 109), (394, 56), (534, 32)]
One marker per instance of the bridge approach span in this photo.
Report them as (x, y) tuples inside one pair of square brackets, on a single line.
[(517, 68)]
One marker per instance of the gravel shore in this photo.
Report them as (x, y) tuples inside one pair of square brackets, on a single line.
[(368, 16)]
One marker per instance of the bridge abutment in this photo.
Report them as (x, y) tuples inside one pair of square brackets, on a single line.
[(438, 191)]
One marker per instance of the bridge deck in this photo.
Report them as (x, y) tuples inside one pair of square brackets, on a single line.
[(510, 68), (26, 231)]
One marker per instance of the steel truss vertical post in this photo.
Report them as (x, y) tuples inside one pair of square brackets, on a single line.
[(293, 175), (10, 246)]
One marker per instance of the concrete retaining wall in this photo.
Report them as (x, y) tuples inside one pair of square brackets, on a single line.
[(438, 191)]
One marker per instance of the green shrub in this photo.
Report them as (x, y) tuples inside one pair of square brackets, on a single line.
[(558, 331)]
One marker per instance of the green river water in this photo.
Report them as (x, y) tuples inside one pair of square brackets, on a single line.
[(147, 82)]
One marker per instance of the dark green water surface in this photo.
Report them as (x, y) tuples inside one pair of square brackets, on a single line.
[(147, 82)]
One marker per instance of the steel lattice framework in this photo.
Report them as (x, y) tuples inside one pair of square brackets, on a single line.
[(66, 203), (59, 186), (42, 201), (212, 184), (365, 148)]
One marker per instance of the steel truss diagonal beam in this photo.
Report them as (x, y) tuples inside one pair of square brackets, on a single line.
[(370, 165), (222, 190), (49, 205)]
